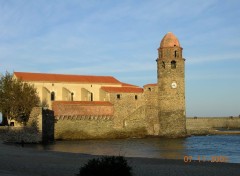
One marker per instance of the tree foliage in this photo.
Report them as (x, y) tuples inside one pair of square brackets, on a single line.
[(17, 98)]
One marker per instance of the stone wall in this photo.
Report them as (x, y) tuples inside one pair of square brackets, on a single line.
[(135, 125), (204, 125), (132, 118), (151, 106), (83, 129), (171, 92), (125, 104), (30, 133)]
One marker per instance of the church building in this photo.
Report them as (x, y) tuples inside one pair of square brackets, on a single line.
[(104, 107)]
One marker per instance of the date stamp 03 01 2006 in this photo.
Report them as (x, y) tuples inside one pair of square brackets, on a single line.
[(216, 159)]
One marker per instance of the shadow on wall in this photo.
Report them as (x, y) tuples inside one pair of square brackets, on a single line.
[(48, 125)]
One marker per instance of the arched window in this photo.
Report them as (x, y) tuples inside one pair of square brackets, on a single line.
[(52, 96), (72, 96), (173, 64)]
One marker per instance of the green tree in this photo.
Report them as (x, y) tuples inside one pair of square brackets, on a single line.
[(17, 98)]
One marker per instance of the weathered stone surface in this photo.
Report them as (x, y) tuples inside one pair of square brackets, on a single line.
[(208, 125), (171, 88)]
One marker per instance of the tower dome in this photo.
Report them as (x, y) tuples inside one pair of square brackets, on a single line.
[(169, 40)]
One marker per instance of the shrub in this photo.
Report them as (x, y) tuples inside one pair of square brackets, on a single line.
[(106, 166)]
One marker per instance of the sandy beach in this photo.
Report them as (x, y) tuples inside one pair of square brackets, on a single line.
[(19, 161)]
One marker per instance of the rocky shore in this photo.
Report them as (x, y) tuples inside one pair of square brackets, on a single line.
[(19, 161)]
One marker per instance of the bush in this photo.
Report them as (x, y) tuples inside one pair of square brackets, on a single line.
[(106, 166)]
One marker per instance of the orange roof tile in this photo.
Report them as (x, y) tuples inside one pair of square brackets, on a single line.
[(153, 84), (128, 85), (65, 78), (122, 89)]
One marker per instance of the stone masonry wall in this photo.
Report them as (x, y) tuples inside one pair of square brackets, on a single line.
[(83, 129), (132, 118), (151, 106), (204, 125), (125, 105)]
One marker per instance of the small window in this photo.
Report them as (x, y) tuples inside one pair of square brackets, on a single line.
[(163, 64), (118, 96), (173, 64), (72, 96), (175, 53), (52, 96), (91, 96), (136, 97), (150, 89)]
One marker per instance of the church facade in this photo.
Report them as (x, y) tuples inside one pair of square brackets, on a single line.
[(104, 107)]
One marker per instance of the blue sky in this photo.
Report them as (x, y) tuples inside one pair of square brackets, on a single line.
[(120, 38)]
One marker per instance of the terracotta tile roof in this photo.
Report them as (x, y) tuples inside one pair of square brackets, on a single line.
[(65, 78), (122, 89), (128, 85), (82, 108), (150, 85)]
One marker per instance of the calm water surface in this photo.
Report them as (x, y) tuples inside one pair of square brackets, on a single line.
[(195, 146)]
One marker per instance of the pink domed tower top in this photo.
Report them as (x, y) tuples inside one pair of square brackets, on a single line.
[(169, 40)]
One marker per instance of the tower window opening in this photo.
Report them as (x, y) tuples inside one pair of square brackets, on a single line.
[(72, 96), (118, 96), (175, 53), (52, 96), (163, 64), (136, 97), (173, 65)]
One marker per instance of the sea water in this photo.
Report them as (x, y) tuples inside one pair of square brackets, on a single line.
[(215, 148)]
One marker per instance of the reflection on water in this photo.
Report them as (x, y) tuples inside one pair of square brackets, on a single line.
[(208, 146)]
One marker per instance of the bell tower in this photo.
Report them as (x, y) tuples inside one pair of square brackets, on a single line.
[(171, 88)]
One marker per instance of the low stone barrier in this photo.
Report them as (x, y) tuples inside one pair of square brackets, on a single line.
[(208, 125), (21, 135)]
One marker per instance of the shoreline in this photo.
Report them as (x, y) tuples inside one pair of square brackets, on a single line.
[(19, 161)]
